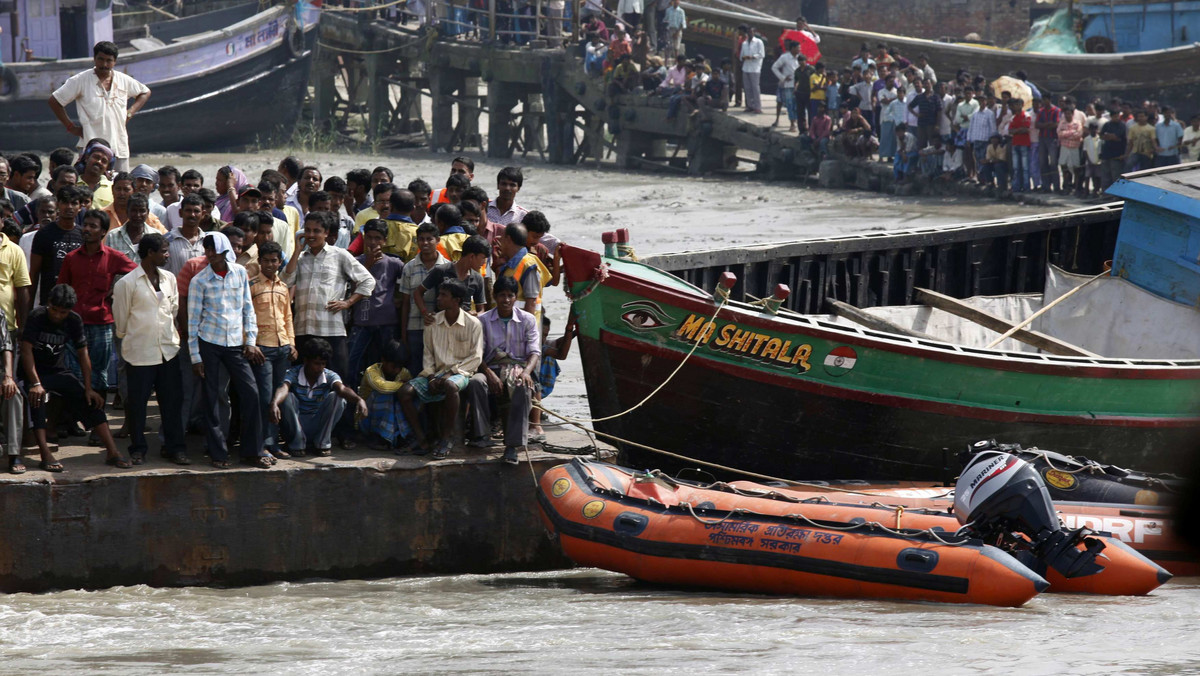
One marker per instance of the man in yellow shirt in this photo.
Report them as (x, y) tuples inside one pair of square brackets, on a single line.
[(379, 208), (402, 232)]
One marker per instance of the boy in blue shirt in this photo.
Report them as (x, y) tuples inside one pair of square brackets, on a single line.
[(310, 401)]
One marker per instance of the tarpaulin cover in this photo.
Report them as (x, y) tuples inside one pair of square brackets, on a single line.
[(1054, 34), (1111, 317)]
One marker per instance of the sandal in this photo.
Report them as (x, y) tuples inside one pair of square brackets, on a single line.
[(119, 462), (138, 458), (443, 450), (326, 452), (259, 461), (348, 444), (221, 464), (51, 466), (281, 454), (179, 458), (16, 465)]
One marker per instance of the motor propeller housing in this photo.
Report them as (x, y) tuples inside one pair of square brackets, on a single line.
[(999, 494)]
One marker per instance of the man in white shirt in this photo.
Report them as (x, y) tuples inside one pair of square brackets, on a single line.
[(752, 55), (100, 96), (145, 304), (784, 69)]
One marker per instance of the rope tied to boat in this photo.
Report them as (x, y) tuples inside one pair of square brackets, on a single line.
[(598, 276), (370, 8), (735, 512), (723, 294), (685, 458)]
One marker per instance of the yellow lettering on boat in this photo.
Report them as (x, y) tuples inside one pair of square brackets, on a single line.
[(691, 326), (695, 329), (759, 339), (801, 358), (783, 357), (725, 335), (772, 349), (739, 339)]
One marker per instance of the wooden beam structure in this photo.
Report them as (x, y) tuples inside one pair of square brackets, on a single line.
[(870, 321), (987, 320)]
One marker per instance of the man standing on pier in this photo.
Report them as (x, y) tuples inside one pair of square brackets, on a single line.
[(752, 54), (145, 303), (101, 95), (785, 68)]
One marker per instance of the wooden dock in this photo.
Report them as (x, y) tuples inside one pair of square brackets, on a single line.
[(359, 513), (536, 99)]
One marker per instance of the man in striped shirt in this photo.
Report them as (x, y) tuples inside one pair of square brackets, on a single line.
[(981, 126), (222, 332), (320, 276)]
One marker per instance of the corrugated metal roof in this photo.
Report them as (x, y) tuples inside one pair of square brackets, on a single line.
[(1176, 188)]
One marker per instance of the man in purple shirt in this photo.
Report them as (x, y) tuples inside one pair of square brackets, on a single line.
[(511, 350), (376, 316)]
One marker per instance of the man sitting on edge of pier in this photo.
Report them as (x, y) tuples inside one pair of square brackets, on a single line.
[(512, 348), (453, 348)]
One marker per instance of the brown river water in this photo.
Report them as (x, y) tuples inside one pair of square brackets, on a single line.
[(590, 621)]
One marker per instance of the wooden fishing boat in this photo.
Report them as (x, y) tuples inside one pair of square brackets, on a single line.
[(219, 81), (883, 388), (1171, 75), (605, 517)]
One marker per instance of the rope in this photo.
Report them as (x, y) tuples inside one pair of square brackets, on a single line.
[(720, 306), (626, 251), (724, 468), (347, 50), (364, 9), (738, 512), (1045, 309)]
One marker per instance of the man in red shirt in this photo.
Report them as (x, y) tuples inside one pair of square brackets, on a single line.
[(91, 270), (1019, 130)]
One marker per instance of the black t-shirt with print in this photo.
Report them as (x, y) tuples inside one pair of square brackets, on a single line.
[(474, 282), (53, 244), (51, 341)]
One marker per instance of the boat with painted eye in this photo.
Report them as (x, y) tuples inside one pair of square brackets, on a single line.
[(223, 79), (874, 355)]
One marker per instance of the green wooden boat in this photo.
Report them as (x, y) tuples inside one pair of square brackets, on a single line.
[(800, 392)]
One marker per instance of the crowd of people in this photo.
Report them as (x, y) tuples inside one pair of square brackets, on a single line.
[(1003, 132), (277, 317)]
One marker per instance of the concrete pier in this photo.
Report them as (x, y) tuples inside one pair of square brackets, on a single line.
[(357, 514)]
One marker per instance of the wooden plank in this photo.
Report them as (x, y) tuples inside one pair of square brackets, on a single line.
[(1039, 340), (863, 318)]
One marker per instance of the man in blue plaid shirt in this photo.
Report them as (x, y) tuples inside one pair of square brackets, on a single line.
[(222, 331)]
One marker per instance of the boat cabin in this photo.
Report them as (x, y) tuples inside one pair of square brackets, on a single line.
[(1158, 246), (48, 30)]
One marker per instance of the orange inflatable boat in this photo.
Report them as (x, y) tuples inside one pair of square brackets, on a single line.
[(1123, 572), (642, 525), (1147, 529)]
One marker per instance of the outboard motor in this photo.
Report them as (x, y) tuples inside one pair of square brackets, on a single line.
[(999, 494)]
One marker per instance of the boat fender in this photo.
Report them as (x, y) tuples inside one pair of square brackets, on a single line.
[(917, 560), (293, 40), (9, 87), (630, 523)]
